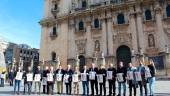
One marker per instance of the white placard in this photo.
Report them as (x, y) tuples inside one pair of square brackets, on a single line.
[(109, 75), (130, 75), (44, 81), (120, 77), (50, 77), (66, 77), (83, 76), (29, 77), (100, 78), (75, 78), (3, 76), (37, 77), (59, 77), (138, 76), (19, 76), (92, 75), (147, 73)]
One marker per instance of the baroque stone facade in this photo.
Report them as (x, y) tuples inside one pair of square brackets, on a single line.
[(122, 30)]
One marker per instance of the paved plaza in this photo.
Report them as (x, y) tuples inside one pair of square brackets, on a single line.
[(162, 88)]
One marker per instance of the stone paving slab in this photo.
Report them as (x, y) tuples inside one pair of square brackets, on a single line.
[(162, 88)]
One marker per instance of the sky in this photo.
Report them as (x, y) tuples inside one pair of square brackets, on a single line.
[(19, 21)]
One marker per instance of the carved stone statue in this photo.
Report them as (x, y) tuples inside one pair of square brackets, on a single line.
[(151, 40), (97, 45)]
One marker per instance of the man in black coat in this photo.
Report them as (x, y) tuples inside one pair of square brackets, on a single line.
[(112, 80), (68, 72), (93, 71), (102, 72), (45, 80), (123, 71)]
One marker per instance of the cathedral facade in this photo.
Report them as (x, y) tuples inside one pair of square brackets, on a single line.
[(113, 30)]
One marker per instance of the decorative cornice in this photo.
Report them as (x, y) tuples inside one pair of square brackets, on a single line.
[(47, 22)]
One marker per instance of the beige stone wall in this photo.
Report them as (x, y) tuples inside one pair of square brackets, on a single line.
[(134, 33)]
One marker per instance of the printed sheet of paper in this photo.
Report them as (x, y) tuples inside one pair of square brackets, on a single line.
[(59, 77), (75, 77), (130, 75), (83, 76), (37, 77), (29, 77), (120, 77), (147, 72), (44, 81), (109, 75), (19, 76), (138, 76), (92, 75), (100, 78), (66, 77), (50, 77)]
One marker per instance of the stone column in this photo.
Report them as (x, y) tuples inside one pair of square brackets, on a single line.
[(109, 35), (90, 45), (104, 39), (140, 29), (133, 32), (71, 41), (160, 31)]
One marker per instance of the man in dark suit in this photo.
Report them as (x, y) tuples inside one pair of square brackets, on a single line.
[(93, 78), (69, 72), (112, 81)]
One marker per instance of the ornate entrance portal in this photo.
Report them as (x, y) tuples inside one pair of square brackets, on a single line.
[(123, 54)]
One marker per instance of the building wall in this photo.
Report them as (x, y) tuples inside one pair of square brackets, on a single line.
[(133, 33)]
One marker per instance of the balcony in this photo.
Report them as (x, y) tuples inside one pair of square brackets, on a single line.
[(53, 35), (54, 11)]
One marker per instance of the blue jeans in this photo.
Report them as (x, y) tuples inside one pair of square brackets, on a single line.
[(124, 87), (17, 84), (29, 87), (85, 87), (151, 85)]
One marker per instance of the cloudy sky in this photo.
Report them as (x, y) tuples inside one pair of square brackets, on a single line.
[(19, 21)]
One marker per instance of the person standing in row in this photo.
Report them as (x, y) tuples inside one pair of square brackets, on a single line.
[(29, 76), (111, 76), (121, 75), (131, 79), (151, 79), (11, 77), (59, 79), (50, 81), (102, 82), (44, 80), (68, 79), (25, 82), (76, 80), (143, 82), (18, 77), (85, 80), (93, 78), (37, 79)]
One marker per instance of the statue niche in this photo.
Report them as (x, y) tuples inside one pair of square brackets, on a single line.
[(97, 45), (151, 40)]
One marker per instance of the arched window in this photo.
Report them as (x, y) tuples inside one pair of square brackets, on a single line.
[(96, 23), (84, 4), (120, 19), (148, 15), (53, 56), (81, 25), (168, 11), (151, 40), (54, 31)]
